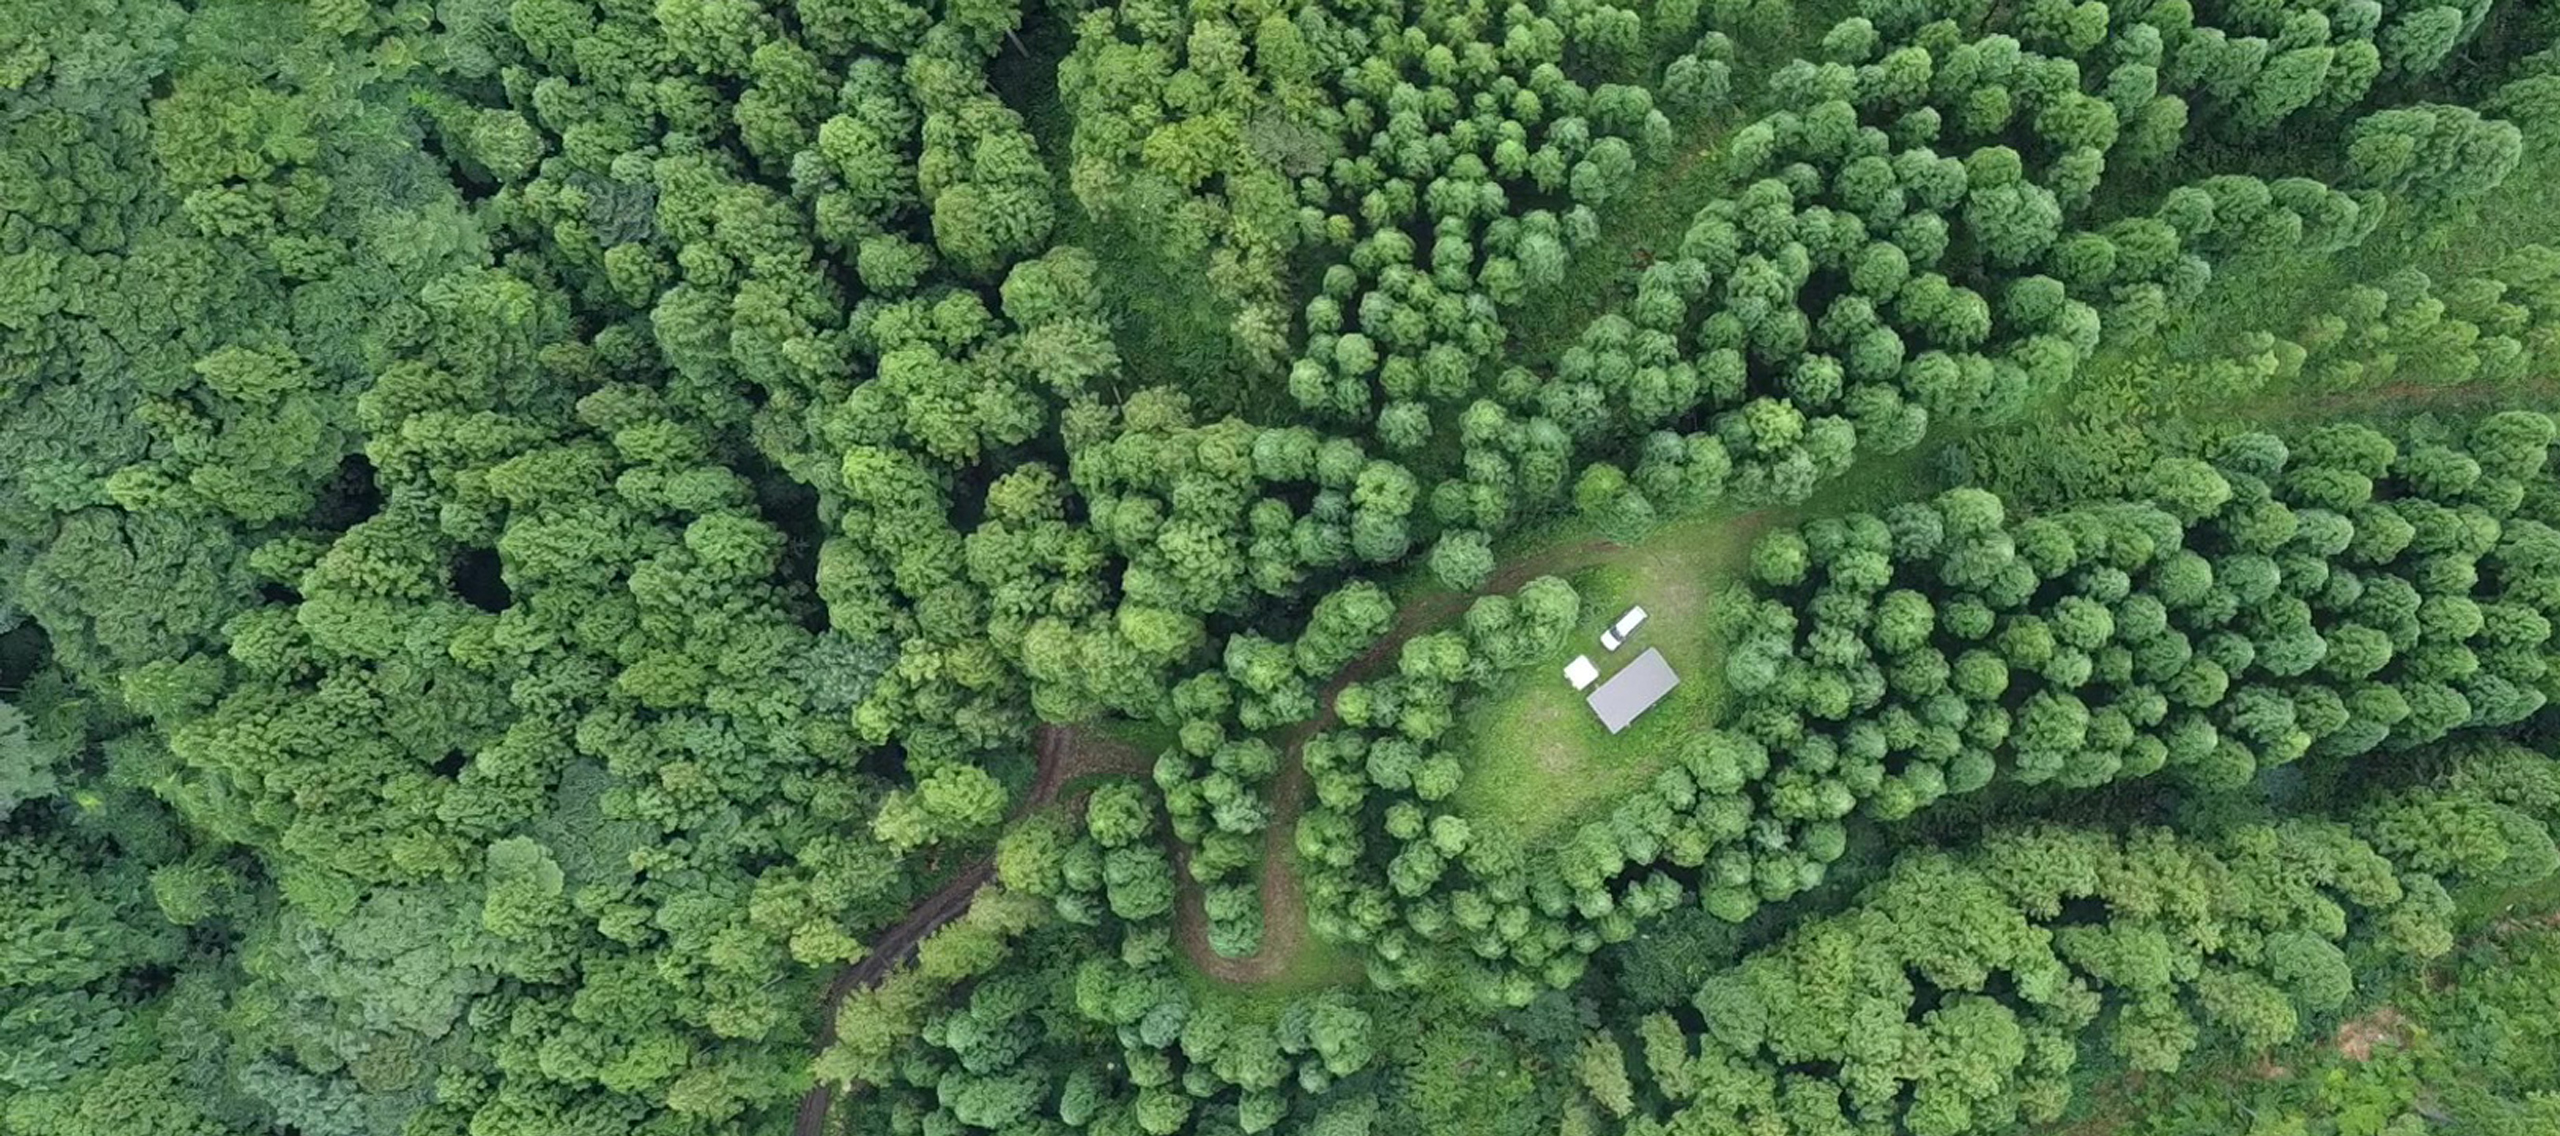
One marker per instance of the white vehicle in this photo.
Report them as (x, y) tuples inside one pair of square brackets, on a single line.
[(1616, 636), (1581, 673)]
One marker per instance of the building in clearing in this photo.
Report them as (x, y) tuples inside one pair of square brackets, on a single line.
[(1616, 635), (1631, 692), (1581, 673)]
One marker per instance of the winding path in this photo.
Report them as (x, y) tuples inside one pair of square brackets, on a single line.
[(1284, 903), (1284, 909), (1058, 749)]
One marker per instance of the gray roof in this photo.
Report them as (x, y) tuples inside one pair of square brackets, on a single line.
[(1631, 692)]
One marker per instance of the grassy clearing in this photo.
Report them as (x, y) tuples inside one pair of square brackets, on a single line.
[(1147, 738), (1172, 331), (1538, 756), (1541, 756), (2278, 294), (1315, 965), (1113, 750), (1645, 223), (2482, 909)]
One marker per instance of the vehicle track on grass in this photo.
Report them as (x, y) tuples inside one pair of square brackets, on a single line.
[(1284, 903), (1063, 754), (2405, 394)]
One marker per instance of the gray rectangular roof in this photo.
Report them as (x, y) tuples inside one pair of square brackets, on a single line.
[(1631, 692)]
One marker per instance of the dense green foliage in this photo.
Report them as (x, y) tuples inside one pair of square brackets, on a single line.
[(2460, 1046), (584, 566), (2346, 602), (1949, 999)]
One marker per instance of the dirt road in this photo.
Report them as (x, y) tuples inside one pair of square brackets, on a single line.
[(1284, 902), (1058, 749), (1063, 754)]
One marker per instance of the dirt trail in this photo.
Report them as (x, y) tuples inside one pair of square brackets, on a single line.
[(1063, 754), (2404, 396), (1284, 902)]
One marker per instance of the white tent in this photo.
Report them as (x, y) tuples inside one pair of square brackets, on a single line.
[(1581, 673)]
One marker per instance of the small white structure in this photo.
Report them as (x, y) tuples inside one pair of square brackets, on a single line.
[(1581, 673), (1616, 635)]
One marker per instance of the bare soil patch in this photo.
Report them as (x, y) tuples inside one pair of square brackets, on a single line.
[(2357, 1038)]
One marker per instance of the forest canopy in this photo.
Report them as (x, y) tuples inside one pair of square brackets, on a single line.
[(688, 567)]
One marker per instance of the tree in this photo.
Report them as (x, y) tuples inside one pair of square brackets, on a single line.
[(2529, 103), (24, 766), (1602, 1068), (1139, 882), (1692, 84), (960, 799), (1119, 814), (2015, 221), (1613, 504), (1780, 558), (1462, 560), (2433, 155)]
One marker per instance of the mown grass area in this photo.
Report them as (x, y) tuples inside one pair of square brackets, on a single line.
[(1540, 755), (1536, 755), (1316, 965)]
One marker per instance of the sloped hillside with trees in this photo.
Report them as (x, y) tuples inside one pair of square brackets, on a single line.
[(950, 568)]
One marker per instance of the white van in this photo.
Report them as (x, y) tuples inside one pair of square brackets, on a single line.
[(1616, 635)]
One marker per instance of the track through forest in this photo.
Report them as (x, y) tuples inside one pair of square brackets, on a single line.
[(1284, 905), (1059, 749), (1284, 909), (1284, 914)]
